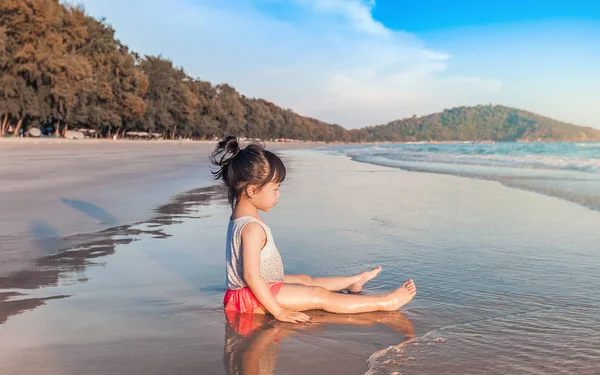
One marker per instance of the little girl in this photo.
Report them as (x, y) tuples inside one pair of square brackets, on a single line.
[(255, 279)]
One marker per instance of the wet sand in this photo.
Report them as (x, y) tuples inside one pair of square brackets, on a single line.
[(53, 188), (506, 279), (158, 265)]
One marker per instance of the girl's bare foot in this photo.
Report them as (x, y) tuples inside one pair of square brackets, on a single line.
[(364, 277), (400, 296)]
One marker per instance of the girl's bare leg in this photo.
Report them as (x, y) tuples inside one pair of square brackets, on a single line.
[(302, 297), (335, 284)]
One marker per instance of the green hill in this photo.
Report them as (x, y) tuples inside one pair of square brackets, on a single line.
[(480, 123)]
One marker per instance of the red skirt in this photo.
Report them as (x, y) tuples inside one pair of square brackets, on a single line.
[(243, 300)]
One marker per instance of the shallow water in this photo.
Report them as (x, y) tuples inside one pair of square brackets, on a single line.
[(570, 171), (507, 283)]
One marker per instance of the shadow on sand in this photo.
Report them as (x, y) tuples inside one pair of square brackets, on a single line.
[(68, 257)]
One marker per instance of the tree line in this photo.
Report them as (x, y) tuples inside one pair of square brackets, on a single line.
[(62, 69)]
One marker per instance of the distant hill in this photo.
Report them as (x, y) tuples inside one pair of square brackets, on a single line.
[(480, 123)]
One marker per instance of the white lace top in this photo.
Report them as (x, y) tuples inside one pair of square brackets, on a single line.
[(271, 266)]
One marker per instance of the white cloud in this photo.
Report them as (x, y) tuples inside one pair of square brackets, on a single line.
[(324, 58), (357, 12)]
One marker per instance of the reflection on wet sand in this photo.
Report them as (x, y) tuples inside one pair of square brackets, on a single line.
[(252, 340), (12, 307), (83, 250)]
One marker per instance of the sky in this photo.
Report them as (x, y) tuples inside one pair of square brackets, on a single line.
[(362, 62)]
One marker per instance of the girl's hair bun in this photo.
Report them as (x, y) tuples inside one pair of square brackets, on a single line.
[(226, 150), (239, 169)]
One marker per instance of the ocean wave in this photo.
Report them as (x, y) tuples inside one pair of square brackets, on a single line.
[(583, 157), (552, 170), (525, 343), (586, 145), (524, 161)]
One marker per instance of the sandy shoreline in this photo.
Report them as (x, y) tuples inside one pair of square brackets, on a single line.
[(147, 299), (88, 321), (53, 188)]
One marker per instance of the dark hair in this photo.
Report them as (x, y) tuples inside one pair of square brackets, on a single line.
[(240, 168)]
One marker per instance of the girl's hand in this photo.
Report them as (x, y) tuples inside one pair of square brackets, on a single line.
[(292, 316)]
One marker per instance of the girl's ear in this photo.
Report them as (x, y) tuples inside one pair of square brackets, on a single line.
[(250, 191)]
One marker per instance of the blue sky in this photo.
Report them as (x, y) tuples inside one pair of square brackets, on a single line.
[(428, 15), (363, 62)]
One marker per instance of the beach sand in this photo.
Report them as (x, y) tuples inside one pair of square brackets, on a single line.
[(54, 188), (104, 338), (506, 283)]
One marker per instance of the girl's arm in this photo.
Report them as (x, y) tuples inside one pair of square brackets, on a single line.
[(253, 240)]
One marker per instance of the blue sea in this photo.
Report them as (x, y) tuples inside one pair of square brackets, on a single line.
[(565, 170)]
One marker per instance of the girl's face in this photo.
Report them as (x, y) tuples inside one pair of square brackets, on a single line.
[(267, 197)]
